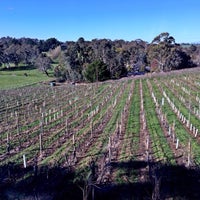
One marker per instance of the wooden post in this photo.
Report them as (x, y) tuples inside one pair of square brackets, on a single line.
[(17, 122), (101, 118), (41, 132), (147, 148), (109, 149), (173, 137), (121, 118), (147, 143), (174, 125), (66, 124), (189, 153), (40, 140), (46, 120), (199, 108), (8, 147), (7, 137), (74, 153), (120, 129), (143, 120), (73, 139), (162, 117), (91, 127), (193, 130), (189, 117)]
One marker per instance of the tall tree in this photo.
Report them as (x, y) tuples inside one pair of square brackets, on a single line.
[(13, 53), (167, 54), (96, 71), (2, 56), (43, 63)]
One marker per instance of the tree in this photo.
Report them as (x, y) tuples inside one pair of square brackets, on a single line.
[(55, 53), (43, 63), (69, 67), (48, 44), (96, 71), (28, 53), (163, 38), (179, 60), (2, 57), (167, 54), (13, 53), (160, 48)]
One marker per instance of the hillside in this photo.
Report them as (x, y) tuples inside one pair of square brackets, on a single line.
[(129, 138)]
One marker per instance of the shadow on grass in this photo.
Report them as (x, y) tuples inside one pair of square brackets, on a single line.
[(163, 181), (18, 68)]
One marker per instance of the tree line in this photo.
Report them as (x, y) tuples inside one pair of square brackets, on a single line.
[(98, 59)]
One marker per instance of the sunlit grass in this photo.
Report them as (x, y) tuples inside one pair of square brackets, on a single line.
[(19, 78)]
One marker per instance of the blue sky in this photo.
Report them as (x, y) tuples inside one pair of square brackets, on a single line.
[(68, 20)]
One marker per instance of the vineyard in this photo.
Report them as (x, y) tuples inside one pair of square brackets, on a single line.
[(126, 139)]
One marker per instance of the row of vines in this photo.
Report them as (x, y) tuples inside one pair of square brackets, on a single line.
[(106, 133)]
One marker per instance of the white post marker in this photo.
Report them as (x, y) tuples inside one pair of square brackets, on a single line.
[(177, 142), (163, 101), (24, 160)]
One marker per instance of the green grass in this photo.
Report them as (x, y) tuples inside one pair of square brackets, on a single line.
[(10, 79)]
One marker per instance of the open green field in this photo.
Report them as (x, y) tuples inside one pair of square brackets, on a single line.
[(10, 79)]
